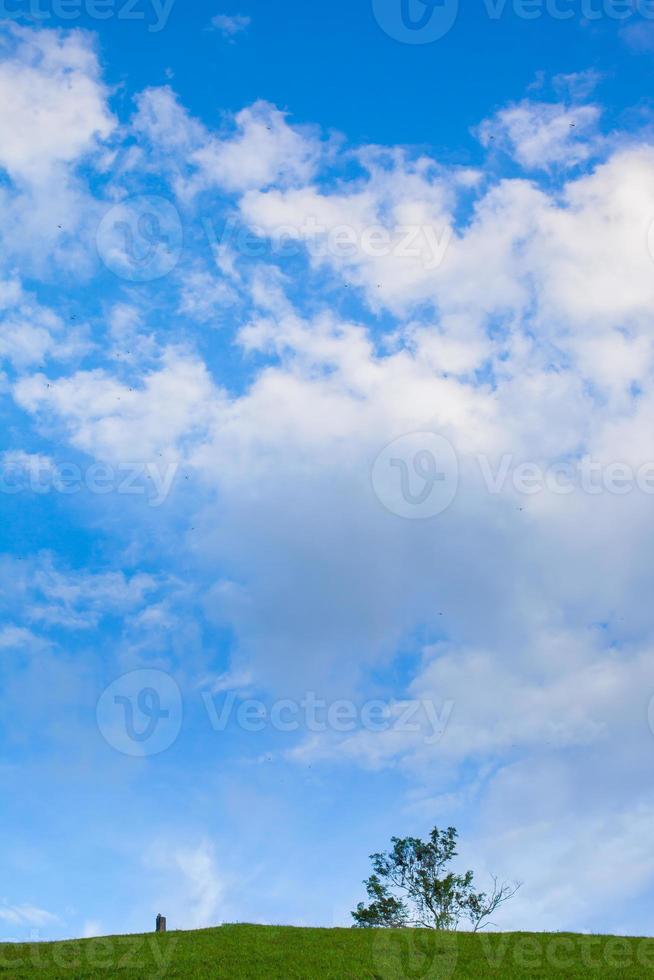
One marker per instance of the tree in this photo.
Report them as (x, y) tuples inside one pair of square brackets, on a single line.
[(412, 886)]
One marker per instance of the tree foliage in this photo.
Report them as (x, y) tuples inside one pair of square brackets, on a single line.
[(411, 885)]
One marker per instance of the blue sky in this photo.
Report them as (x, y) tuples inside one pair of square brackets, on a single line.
[(327, 474)]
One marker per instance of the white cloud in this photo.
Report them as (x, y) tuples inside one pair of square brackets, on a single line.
[(161, 117), (389, 233), (166, 407), (51, 596), (567, 270), (52, 103), (30, 333), (230, 25), (259, 149), (19, 638), (531, 336), (264, 150), (569, 694), (577, 85), (540, 135), (26, 915), (206, 297), (54, 115), (585, 875), (194, 888)]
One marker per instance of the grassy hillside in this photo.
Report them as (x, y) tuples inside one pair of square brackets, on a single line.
[(289, 954)]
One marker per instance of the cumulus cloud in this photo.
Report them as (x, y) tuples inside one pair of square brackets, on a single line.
[(30, 333), (101, 413), (54, 108), (264, 149), (205, 296), (54, 116), (518, 327), (258, 149), (539, 135), (388, 234)]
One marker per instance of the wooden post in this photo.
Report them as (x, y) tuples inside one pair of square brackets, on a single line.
[(161, 923)]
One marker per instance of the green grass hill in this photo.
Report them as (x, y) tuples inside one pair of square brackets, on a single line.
[(280, 953)]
